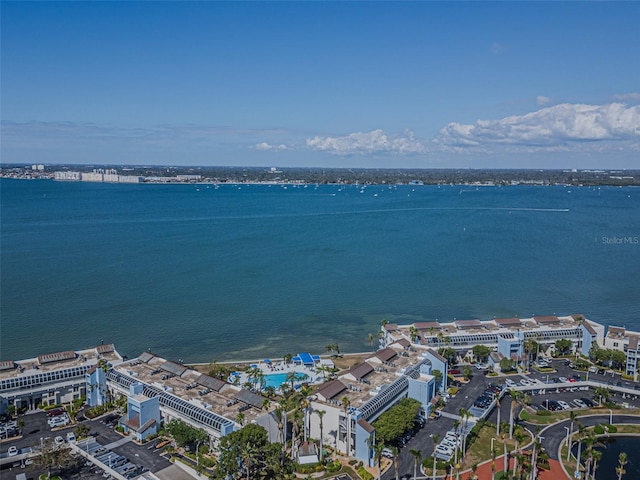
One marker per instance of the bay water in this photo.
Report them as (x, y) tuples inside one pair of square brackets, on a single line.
[(195, 272)]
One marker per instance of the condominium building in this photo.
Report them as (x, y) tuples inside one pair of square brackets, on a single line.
[(51, 379), (627, 341), (344, 409), (213, 405), (501, 333)]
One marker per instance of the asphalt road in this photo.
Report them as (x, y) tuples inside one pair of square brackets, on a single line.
[(555, 434)]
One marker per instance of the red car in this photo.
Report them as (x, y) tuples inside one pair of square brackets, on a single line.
[(55, 412)]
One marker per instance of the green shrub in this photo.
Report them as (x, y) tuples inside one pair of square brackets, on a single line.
[(364, 475), (598, 429), (353, 461), (612, 428), (334, 467)]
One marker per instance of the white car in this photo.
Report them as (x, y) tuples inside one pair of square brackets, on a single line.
[(71, 438), (564, 405), (449, 443), (509, 383), (59, 423), (442, 450), (58, 440), (563, 379), (482, 366), (13, 451), (387, 453), (579, 403)]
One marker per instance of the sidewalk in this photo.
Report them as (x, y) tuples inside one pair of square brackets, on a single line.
[(555, 471)]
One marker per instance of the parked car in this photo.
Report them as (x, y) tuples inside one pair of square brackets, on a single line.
[(71, 438), (386, 452), (442, 450), (58, 440), (482, 366), (13, 451), (564, 405), (579, 403)]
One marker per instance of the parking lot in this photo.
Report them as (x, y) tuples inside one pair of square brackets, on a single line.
[(128, 458)]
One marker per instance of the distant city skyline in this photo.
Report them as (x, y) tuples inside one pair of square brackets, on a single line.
[(322, 84)]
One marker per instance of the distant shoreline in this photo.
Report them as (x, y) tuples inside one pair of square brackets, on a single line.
[(329, 176)]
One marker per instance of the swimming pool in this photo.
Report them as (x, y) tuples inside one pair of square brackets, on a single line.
[(276, 379)]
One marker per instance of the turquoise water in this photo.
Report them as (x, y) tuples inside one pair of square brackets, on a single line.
[(275, 380), (254, 272)]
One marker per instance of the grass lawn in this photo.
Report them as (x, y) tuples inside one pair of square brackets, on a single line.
[(480, 450)]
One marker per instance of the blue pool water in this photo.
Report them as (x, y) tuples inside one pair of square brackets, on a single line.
[(276, 379)]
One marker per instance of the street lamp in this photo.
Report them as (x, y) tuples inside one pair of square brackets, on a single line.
[(568, 444), (610, 417), (493, 439), (198, 457)]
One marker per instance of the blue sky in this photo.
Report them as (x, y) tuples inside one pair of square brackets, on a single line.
[(335, 84)]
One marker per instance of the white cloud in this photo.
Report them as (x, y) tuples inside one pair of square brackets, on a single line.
[(267, 147), (542, 100), (627, 97), (552, 126), (360, 143)]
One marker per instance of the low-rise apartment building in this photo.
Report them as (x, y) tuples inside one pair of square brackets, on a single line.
[(53, 378), (627, 341)]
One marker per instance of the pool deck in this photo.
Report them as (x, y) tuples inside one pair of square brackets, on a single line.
[(273, 367)]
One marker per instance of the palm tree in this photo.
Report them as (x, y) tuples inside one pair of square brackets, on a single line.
[(573, 415), (520, 437), (514, 402), (597, 456), (580, 434), (287, 358), (498, 411), (370, 338), (396, 460), (417, 457), (248, 452), (622, 461), (321, 414), (295, 427), (346, 403), (413, 334), (589, 443), (304, 406), (435, 445), (291, 377), (504, 447), (464, 414), (377, 455)]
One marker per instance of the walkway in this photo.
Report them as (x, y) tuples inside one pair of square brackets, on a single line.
[(117, 443)]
